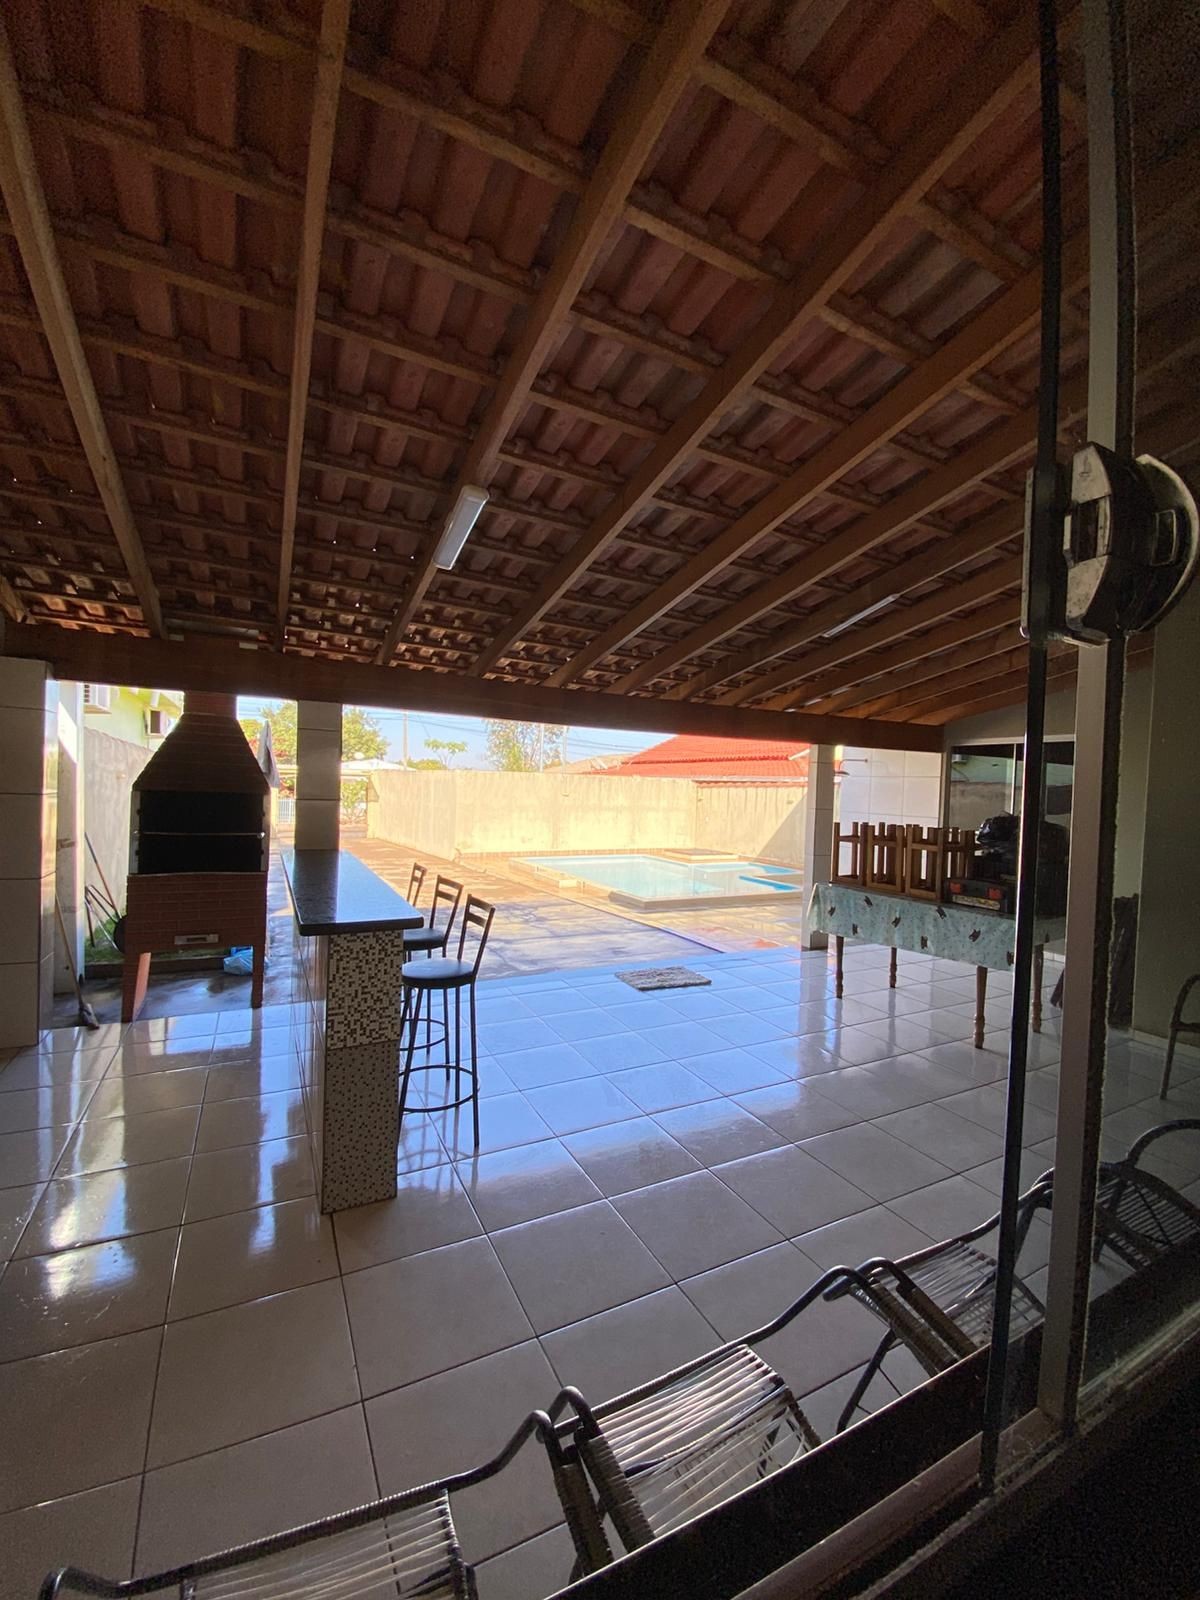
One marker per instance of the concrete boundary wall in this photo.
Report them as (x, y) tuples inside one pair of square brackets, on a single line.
[(452, 814), (110, 767)]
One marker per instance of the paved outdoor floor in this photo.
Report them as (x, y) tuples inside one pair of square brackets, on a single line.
[(535, 932), (191, 1355)]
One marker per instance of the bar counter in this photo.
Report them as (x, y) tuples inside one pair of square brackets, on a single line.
[(346, 994)]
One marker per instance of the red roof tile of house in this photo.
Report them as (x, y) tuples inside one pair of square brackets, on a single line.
[(694, 756)]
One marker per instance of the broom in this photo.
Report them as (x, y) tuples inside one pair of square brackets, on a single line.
[(87, 1017)]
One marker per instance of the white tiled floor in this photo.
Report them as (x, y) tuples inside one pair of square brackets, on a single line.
[(191, 1355)]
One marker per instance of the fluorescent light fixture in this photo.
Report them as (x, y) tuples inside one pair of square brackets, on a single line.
[(867, 611), (471, 501)]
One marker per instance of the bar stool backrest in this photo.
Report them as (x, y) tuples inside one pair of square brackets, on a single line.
[(416, 882), (446, 893), (477, 919)]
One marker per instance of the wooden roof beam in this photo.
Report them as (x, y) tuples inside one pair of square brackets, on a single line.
[(901, 620), (946, 689), (997, 450), (831, 687), (976, 539), (327, 88), (198, 664), (677, 47), (1001, 71), (1000, 325), (26, 202), (886, 689)]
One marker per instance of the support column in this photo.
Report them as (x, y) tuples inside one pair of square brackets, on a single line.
[(318, 774), (71, 854), (28, 803), (1168, 947), (818, 827)]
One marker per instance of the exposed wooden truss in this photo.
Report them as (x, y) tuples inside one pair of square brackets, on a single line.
[(675, 49), (969, 107), (558, 360), (331, 50), (30, 218), (199, 664)]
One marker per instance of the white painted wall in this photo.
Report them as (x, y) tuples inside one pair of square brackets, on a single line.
[(890, 786), (450, 814)]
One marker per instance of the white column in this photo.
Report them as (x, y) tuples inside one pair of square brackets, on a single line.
[(71, 855), (28, 802), (318, 774), (818, 826), (1168, 944)]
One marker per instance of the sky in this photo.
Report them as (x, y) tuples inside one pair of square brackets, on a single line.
[(424, 725)]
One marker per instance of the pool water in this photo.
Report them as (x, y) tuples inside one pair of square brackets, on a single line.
[(648, 878)]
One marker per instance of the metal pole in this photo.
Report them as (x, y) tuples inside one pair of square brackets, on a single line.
[(1044, 530), (1098, 697)]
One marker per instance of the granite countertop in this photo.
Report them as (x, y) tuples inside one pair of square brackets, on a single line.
[(333, 892)]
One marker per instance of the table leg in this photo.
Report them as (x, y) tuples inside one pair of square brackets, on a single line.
[(839, 944), (892, 968), (980, 1003), (1038, 955)]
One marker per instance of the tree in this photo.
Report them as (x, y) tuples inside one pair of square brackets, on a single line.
[(522, 746), (444, 751), (362, 737)]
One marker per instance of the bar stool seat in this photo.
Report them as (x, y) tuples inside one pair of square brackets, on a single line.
[(437, 972), (426, 938)]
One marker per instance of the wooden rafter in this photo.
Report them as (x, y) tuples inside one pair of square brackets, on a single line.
[(1000, 325), (994, 78), (843, 144), (889, 688), (897, 622), (676, 48), (1007, 443), (361, 224), (946, 689), (977, 539), (26, 202), (202, 665), (331, 51), (10, 601)]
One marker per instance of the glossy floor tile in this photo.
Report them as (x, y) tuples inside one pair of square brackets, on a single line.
[(246, 1491), (251, 1369), (191, 1354)]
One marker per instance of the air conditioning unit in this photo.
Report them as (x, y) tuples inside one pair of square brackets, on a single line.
[(97, 696), (159, 723)]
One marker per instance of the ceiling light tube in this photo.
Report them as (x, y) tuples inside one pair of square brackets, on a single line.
[(471, 501), (867, 611)]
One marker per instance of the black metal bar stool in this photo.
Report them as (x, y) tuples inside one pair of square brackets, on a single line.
[(447, 975), (431, 940), (416, 882)]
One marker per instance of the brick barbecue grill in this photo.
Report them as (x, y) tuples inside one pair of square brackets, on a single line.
[(199, 848)]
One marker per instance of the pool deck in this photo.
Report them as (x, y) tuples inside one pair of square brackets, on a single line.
[(537, 930)]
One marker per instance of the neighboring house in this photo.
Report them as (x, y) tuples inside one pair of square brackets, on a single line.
[(724, 761), (139, 716)]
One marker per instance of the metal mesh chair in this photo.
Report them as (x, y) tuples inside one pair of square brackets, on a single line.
[(400, 1546), (1140, 1216), (1178, 1026), (673, 1448), (939, 1301), (447, 976)]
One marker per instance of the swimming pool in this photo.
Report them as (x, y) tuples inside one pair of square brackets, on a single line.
[(650, 882)]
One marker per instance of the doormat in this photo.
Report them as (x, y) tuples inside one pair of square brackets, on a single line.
[(645, 979)]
